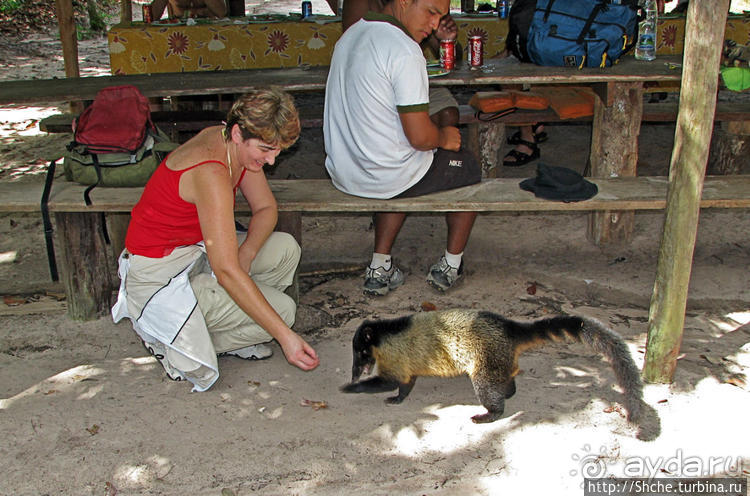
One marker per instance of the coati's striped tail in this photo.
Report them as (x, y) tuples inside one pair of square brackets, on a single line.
[(612, 346)]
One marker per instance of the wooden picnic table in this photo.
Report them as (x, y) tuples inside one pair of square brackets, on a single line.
[(495, 72)]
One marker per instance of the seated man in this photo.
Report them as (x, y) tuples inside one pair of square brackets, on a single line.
[(189, 8), (380, 140), (443, 107)]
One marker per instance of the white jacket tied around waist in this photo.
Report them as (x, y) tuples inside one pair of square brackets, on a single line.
[(163, 308)]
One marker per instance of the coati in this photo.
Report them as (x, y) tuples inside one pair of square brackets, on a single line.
[(483, 345)]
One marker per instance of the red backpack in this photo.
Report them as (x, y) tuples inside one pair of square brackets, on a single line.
[(118, 121)]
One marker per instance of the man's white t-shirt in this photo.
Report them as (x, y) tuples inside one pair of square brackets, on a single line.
[(377, 70)]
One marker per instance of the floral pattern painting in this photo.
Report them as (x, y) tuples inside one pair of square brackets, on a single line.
[(226, 45), (237, 44)]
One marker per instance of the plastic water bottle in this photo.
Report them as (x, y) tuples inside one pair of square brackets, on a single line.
[(645, 49)]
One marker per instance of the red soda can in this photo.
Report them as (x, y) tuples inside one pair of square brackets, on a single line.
[(476, 56), (148, 15), (447, 54)]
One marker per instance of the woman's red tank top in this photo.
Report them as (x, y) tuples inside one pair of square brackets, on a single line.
[(161, 220)]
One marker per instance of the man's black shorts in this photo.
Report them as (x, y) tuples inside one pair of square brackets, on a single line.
[(449, 170)]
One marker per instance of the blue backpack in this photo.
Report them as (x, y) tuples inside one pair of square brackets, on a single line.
[(572, 33)]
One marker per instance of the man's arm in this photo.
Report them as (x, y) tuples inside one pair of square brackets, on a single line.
[(423, 134)]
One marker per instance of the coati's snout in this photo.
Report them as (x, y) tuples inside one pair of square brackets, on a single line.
[(363, 361), (362, 364)]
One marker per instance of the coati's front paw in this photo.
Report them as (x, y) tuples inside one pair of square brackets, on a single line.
[(394, 400), (353, 387), (486, 418)]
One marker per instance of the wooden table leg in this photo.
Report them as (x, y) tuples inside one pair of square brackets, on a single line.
[(485, 140), (86, 263), (614, 152), (730, 149)]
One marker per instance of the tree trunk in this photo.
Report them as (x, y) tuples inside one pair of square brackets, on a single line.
[(704, 34)]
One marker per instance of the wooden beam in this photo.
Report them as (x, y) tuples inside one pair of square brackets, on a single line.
[(126, 11), (704, 35)]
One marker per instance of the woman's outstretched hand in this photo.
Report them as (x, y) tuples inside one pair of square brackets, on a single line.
[(299, 353)]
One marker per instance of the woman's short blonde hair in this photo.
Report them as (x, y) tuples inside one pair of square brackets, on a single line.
[(266, 114)]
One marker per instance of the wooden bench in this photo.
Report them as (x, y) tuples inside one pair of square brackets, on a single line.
[(88, 271)]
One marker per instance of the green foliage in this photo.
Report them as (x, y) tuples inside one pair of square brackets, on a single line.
[(9, 6)]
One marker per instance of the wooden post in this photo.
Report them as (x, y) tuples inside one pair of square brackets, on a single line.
[(69, 41), (87, 265), (704, 34), (614, 152), (730, 149), (126, 11), (484, 140)]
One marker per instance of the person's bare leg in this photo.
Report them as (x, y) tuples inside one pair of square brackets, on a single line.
[(387, 227), (459, 229)]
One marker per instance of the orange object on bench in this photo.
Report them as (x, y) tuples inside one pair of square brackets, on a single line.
[(491, 101), (530, 100), (494, 101), (569, 102)]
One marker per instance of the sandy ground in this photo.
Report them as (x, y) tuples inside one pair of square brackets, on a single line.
[(85, 410)]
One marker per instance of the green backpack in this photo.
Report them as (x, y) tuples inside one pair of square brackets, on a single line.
[(117, 169)]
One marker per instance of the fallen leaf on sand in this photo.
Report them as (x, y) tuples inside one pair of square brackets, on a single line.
[(315, 405), (93, 430), (428, 306), (613, 409), (736, 380), (13, 301)]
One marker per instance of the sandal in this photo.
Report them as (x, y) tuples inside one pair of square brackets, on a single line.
[(521, 158), (539, 137)]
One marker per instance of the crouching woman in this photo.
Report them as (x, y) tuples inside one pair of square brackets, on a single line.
[(194, 287)]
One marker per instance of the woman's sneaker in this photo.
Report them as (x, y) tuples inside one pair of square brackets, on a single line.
[(159, 351), (379, 281), (442, 276), (254, 352)]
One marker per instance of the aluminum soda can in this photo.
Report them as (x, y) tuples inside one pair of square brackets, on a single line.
[(476, 58), (148, 14), (502, 9), (306, 9), (448, 54)]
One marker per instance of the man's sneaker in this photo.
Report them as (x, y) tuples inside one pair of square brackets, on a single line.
[(254, 352), (159, 351), (442, 276), (379, 281)]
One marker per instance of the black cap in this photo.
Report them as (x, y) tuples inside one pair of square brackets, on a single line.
[(559, 183)]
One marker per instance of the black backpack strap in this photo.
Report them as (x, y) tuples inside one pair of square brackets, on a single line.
[(592, 17), (87, 197), (46, 221), (548, 10), (491, 116)]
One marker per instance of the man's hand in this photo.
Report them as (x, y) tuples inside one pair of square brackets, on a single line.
[(447, 29), (450, 138)]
